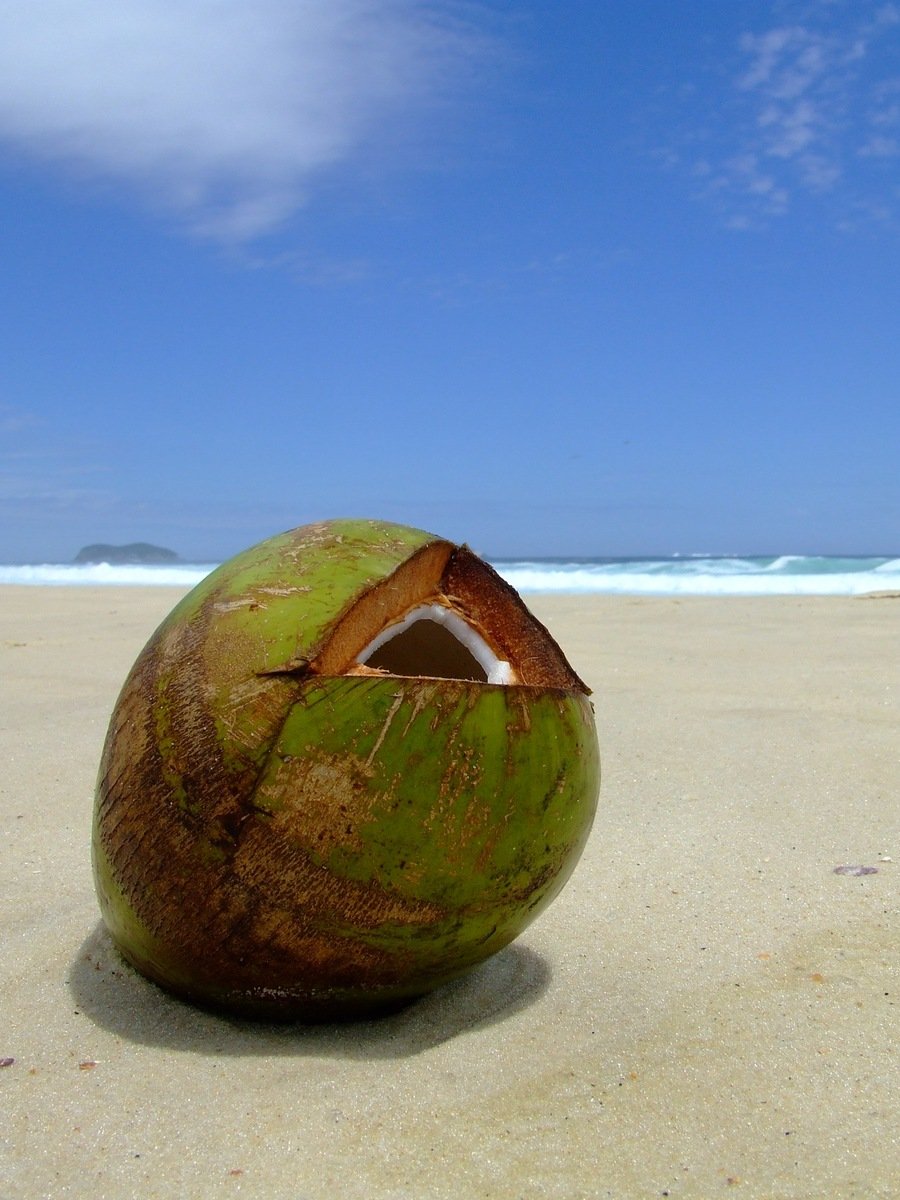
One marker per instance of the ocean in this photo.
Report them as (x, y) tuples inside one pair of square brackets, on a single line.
[(691, 575)]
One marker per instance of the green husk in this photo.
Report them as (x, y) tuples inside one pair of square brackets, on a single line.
[(296, 845)]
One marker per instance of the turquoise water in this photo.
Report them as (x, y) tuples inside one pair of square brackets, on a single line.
[(786, 574)]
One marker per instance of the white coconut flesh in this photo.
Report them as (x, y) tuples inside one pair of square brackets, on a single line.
[(434, 641)]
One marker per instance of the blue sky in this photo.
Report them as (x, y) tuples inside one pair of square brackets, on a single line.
[(551, 278)]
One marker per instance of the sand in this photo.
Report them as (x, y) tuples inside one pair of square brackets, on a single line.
[(707, 1009)]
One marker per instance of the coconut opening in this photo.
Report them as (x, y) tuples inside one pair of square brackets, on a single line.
[(443, 614), (434, 641)]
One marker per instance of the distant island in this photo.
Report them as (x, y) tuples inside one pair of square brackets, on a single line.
[(134, 552)]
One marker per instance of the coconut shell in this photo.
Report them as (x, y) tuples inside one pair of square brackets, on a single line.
[(284, 834)]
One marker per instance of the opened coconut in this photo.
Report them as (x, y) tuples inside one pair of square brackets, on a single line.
[(347, 767)]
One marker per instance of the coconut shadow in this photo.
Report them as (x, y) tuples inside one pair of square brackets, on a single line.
[(117, 998)]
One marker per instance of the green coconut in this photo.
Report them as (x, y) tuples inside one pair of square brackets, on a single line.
[(347, 767)]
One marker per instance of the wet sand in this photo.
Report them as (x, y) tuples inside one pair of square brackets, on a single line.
[(708, 1009)]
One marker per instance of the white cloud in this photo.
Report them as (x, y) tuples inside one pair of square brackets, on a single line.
[(224, 111), (812, 98), (879, 146)]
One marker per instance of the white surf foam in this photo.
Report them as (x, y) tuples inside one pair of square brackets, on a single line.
[(68, 575), (742, 580), (787, 575)]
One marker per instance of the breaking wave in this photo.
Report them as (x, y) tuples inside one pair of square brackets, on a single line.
[(98, 574), (777, 575), (697, 575)]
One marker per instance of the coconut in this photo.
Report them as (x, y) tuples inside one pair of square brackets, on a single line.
[(347, 767)]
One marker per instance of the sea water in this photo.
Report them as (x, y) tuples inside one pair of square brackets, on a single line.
[(701, 575), (695, 575)]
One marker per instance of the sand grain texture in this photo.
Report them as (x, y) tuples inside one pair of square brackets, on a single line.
[(708, 1009)]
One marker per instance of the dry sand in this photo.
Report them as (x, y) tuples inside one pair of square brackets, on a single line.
[(708, 1008)]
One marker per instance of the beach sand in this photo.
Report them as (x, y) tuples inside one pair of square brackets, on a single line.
[(707, 1009)]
